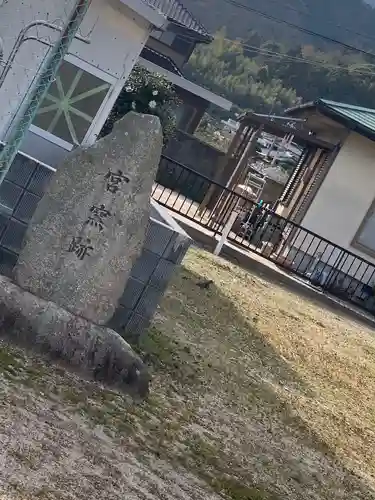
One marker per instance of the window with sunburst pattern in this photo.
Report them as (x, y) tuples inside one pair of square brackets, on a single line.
[(71, 104)]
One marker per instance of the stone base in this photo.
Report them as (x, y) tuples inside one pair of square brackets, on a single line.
[(164, 248), (89, 349)]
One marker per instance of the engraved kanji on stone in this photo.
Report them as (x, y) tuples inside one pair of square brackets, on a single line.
[(80, 246), (97, 216), (114, 180)]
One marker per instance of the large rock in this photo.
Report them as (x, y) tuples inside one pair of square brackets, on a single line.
[(90, 349), (89, 228)]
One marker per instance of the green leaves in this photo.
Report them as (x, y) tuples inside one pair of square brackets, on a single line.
[(263, 75), (145, 92)]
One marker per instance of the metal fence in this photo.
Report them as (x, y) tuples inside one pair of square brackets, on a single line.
[(181, 189), (259, 230)]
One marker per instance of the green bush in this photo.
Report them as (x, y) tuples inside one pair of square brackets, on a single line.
[(149, 93)]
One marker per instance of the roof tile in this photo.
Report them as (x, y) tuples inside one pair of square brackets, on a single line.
[(175, 11), (364, 117)]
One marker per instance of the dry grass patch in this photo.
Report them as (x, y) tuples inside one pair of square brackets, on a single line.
[(258, 394), (282, 389)]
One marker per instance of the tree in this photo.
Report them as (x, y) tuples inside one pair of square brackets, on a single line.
[(224, 68), (271, 77)]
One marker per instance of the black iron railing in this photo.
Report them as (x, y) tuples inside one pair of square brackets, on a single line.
[(315, 259)]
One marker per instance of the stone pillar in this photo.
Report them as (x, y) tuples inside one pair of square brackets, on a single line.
[(89, 228)]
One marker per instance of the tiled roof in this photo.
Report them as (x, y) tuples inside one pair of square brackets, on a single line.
[(175, 11), (357, 118), (362, 117)]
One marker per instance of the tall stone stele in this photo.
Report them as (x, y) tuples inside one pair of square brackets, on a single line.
[(90, 226)]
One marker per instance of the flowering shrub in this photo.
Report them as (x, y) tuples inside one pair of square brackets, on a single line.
[(145, 92)]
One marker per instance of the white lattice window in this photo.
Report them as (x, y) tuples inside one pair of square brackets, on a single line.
[(71, 104)]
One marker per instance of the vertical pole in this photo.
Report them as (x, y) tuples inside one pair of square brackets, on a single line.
[(227, 228), (42, 84)]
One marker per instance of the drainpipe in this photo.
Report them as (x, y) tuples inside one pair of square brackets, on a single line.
[(22, 38)]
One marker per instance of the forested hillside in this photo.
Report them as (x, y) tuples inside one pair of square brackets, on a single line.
[(272, 65), (351, 21)]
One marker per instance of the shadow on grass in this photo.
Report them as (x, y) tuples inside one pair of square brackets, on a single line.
[(209, 318), (202, 342)]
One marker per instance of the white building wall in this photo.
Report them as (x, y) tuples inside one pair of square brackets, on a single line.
[(118, 37), (116, 33), (341, 205), (14, 16)]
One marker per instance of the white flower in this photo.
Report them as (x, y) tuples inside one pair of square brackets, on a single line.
[(133, 105), (155, 92), (129, 89), (152, 104)]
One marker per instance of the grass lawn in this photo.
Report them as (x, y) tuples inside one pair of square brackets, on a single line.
[(257, 394)]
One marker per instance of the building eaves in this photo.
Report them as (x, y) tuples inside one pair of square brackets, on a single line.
[(175, 11), (160, 59), (356, 118)]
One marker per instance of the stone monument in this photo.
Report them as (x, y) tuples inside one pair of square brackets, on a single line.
[(89, 228), (83, 240)]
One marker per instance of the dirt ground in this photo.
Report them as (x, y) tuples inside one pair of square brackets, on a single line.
[(257, 394)]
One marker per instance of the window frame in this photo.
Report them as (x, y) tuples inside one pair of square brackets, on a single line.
[(355, 243), (90, 135)]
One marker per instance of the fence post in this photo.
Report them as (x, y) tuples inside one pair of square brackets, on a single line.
[(227, 228)]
